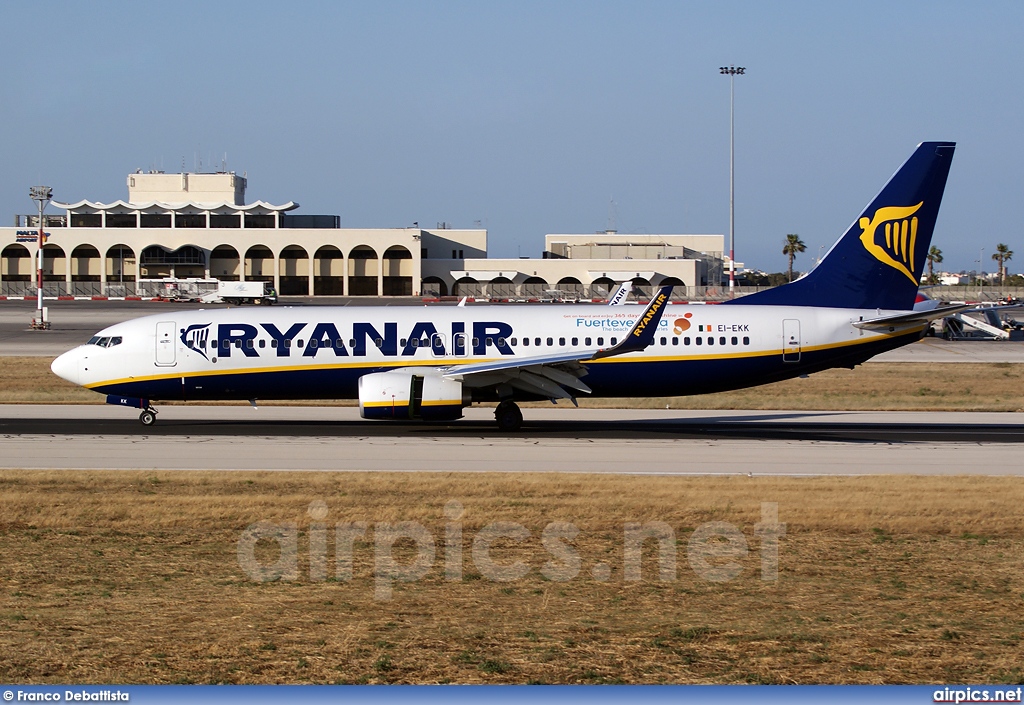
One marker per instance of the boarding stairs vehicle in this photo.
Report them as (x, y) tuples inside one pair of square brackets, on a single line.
[(966, 325)]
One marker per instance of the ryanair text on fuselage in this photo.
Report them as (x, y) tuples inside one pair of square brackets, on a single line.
[(325, 337)]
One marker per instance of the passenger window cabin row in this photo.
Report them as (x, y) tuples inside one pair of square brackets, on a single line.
[(674, 341)]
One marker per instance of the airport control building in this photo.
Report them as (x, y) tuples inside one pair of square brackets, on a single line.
[(197, 228)]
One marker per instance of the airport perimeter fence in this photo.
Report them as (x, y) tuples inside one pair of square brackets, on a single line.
[(63, 288), (974, 293), (156, 288)]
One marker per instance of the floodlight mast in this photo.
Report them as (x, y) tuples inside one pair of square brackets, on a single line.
[(41, 195), (732, 72)]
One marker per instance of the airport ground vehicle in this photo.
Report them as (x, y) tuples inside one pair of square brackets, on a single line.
[(247, 292)]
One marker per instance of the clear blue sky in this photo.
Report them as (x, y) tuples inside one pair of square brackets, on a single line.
[(530, 117)]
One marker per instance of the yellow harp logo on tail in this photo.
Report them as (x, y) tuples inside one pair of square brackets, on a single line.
[(896, 226)]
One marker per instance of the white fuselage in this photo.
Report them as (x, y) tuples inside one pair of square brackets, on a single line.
[(320, 352)]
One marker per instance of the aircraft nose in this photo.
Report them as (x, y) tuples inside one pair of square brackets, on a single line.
[(67, 366)]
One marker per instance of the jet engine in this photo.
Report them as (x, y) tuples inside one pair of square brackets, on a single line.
[(402, 395)]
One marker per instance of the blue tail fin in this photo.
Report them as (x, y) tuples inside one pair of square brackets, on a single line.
[(878, 263)]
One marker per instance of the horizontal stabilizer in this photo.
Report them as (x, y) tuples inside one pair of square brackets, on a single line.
[(912, 318)]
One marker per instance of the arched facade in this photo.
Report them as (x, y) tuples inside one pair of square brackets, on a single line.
[(602, 288), (225, 264), (329, 271), (363, 271), (434, 287), (642, 285), (159, 262), (16, 263), (293, 271), (501, 288), (467, 286), (259, 264), (120, 264), (398, 271), (85, 264), (55, 266), (534, 287), (571, 288)]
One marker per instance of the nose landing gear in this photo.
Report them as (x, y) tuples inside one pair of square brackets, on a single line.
[(148, 415)]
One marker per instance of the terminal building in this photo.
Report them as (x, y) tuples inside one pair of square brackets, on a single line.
[(197, 228)]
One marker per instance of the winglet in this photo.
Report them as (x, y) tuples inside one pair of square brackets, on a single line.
[(621, 294), (642, 333)]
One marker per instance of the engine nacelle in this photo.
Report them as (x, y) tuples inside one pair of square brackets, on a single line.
[(402, 395)]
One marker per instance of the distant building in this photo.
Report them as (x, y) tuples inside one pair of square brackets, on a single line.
[(588, 266), (198, 226)]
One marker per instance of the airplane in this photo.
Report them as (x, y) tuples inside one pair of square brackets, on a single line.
[(428, 363)]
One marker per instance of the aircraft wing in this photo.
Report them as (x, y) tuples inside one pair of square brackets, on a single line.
[(913, 317), (547, 374)]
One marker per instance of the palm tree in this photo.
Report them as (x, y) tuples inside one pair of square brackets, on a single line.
[(1002, 255), (934, 258), (793, 245)]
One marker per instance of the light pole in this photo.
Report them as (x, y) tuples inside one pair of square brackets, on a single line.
[(41, 195), (732, 72), (981, 288)]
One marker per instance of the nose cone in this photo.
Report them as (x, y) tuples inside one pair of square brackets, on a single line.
[(67, 366)]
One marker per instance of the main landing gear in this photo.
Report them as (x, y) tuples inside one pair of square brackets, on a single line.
[(508, 416), (148, 416)]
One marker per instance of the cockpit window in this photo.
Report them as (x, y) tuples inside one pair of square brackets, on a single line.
[(104, 342)]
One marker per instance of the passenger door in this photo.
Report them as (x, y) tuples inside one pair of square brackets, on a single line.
[(166, 343)]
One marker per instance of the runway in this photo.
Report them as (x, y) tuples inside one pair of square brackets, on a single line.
[(552, 440)]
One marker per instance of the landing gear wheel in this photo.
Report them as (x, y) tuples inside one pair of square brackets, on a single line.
[(148, 417), (508, 416)]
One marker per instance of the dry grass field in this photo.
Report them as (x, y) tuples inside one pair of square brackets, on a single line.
[(128, 577), (874, 386)]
